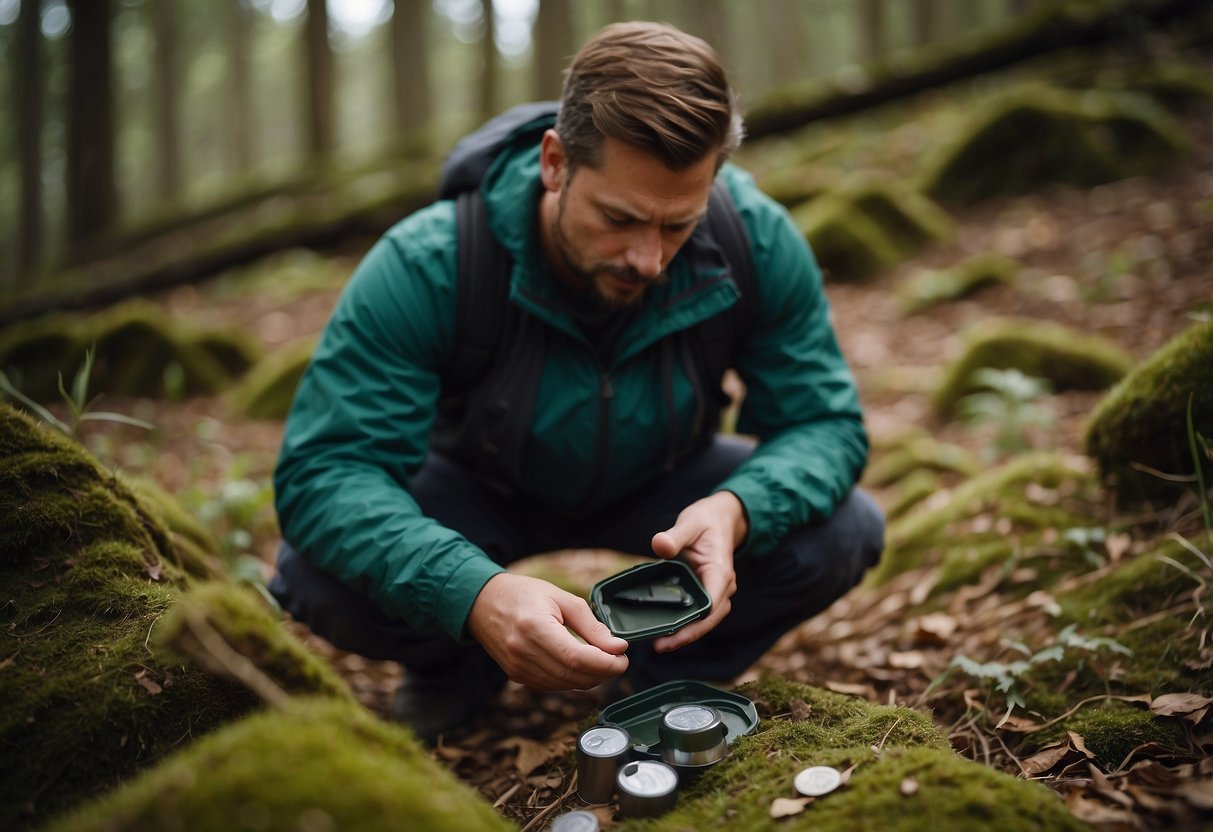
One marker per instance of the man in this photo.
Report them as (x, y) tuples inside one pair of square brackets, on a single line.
[(396, 550)]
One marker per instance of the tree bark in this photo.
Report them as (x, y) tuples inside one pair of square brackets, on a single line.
[(27, 95), (786, 41), (319, 64), (488, 64), (166, 84), (239, 86), (872, 30), (553, 46), (411, 64), (92, 196)]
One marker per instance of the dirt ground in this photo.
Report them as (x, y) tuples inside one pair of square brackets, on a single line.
[(1131, 260)]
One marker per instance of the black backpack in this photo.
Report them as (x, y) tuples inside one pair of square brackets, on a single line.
[(498, 346)]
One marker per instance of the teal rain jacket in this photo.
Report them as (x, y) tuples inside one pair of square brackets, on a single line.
[(359, 425)]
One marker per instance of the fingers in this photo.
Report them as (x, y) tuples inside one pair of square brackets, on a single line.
[(666, 544), (580, 619), (548, 657)]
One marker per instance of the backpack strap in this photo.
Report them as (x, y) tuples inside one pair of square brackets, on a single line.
[(481, 299)]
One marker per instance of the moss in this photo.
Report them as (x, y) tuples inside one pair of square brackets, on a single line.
[(1071, 360), (1042, 134), (198, 551), (266, 392), (88, 572), (912, 489), (344, 769), (234, 350), (946, 527), (1111, 732), (886, 746), (930, 288), (138, 352), (863, 227), (250, 629), (1174, 84), (793, 185), (916, 453), (1143, 419)]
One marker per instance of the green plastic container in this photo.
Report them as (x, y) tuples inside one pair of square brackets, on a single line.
[(650, 600), (640, 714)]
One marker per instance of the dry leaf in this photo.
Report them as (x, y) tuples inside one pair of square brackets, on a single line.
[(1191, 706), (862, 691), (801, 710), (785, 807), (907, 660), (1117, 545), (1020, 725), (1045, 601), (531, 753), (1080, 745), (147, 682), (909, 786), (1046, 759), (1095, 812)]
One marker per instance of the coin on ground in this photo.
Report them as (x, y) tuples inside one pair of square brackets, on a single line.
[(817, 780)]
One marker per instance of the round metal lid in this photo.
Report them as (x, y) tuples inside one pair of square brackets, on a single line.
[(575, 822), (817, 780), (647, 778), (604, 741), (693, 727)]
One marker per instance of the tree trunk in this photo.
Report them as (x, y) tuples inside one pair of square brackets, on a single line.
[(553, 46), (92, 197), (319, 63), (411, 64), (239, 86), (488, 64), (166, 84), (872, 26), (27, 96), (786, 41)]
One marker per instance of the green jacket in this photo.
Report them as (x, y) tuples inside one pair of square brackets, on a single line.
[(362, 415)]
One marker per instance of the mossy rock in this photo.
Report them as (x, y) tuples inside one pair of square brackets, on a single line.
[(1176, 85), (1069, 359), (316, 764), (794, 185), (917, 453), (1111, 732), (89, 573), (199, 550), (931, 287), (267, 390), (957, 531), (911, 491), (137, 352), (885, 745), (1041, 135), (860, 229), (1143, 419)]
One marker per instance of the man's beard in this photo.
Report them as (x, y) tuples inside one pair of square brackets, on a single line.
[(586, 279)]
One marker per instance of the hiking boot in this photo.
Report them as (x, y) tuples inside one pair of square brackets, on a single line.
[(435, 705)]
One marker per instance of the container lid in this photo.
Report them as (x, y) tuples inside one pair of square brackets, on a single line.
[(650, 600), (604, 741), (641, 714), (695, 727), (647, 779)]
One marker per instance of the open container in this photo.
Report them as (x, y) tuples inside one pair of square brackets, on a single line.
[(650, 600), (640, 714)]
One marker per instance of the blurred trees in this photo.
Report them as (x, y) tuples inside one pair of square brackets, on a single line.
[(123, 111)]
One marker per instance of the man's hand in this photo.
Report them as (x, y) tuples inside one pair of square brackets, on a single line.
[(705, 534), (524, 625)]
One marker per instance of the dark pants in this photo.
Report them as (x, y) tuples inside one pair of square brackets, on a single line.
[(811, 568)]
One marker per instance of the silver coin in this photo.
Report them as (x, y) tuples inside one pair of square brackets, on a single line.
[(817, 780)]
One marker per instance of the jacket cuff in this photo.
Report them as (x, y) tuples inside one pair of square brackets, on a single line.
[(459, 593)]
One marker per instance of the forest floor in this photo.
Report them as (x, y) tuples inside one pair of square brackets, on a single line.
[(1130, 260)]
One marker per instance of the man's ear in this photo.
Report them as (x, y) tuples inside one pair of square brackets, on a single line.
[(553, 164)]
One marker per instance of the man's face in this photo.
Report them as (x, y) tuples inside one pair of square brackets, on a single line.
[(611, 231)]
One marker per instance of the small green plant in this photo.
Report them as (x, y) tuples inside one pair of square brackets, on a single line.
[(1010, 401), (79, 405), (1010, 678)]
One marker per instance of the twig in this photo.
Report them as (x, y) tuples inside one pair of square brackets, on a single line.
[(235, 664), (880, 745), (508, 794), (557, 802)]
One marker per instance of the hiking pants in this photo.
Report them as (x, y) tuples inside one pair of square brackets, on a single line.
[(813, 566)]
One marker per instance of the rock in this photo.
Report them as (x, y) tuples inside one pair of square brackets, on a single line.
[(267, 390)]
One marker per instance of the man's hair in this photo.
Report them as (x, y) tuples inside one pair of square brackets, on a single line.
[(650, 86)]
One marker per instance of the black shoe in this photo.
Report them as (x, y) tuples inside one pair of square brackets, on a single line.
[(436, 705)]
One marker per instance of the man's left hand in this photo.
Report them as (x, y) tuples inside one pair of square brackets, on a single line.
[(705, 535)]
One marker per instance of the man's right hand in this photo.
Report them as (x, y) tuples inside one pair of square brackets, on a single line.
[(524, 625)]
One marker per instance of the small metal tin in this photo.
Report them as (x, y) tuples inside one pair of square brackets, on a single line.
[(817, 780), (575, 822), (647, 788), (692, 735), (600, 752)]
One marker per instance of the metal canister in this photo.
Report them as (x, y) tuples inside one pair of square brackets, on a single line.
[(575, 822), (692, 735), (600, 752), (647, 788)]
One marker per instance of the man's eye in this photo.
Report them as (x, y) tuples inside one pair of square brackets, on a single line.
[(617, 220)]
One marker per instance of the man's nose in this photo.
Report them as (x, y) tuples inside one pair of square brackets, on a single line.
[(644, 252)]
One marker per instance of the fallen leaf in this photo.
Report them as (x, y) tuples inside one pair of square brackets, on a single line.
[(862, 691), (801, 710), (1020, 725), (1080, 745), (1096, 812), (1117, 545), (1046, 759), (907, 660), (909, 786), (1191, 706), (1045, 601), (785, 807), (531, 753), (147, 682)]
